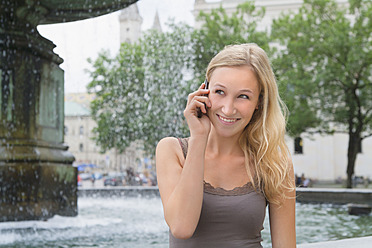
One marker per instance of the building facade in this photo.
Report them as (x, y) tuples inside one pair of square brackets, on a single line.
[(79, 135), (130, 24)]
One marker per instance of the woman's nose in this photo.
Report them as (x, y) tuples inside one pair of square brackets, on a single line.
[(228, 108)]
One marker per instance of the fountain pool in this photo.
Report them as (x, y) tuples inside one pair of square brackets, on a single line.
[(138, 222)]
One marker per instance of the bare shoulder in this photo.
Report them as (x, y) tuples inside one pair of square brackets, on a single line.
[(167, 142), (169, 148), (168, 145), (169, 165)]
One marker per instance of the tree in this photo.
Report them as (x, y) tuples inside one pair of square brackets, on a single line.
[(219, 29), (141, 93), (325, 70)]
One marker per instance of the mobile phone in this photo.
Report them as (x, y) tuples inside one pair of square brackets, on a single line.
[(200, 113)]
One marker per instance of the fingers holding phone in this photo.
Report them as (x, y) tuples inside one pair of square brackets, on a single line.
[(200, 111), (197, 108), (198, 101)]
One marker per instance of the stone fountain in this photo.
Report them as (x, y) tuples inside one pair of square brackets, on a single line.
[(37, 179)]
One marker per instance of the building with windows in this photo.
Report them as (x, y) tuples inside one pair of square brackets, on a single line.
[(130, 24), (79, 137)]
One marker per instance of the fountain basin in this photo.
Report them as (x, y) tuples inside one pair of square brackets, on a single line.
[(120, 220)]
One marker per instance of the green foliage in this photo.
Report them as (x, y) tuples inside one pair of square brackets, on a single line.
[(220, 29), (141, 93), (325, 70)]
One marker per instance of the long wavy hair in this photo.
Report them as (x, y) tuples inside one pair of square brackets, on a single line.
[(267, 157)]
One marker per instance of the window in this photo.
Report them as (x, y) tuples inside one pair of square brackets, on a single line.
[(81, 147), (81, 130), (298, 145)]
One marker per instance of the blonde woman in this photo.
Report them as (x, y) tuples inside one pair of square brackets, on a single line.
[(216, 184)]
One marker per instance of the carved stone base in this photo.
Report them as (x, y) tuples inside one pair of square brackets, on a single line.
[(33, 188)]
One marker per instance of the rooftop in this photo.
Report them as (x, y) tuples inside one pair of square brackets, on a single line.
[(75, 109)]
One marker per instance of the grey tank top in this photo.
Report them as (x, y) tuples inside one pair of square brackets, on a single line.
[(228, 219)]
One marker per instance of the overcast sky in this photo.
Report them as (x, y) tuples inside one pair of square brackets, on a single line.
[(77, 41)]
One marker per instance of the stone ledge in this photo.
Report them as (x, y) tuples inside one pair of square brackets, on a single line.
[(334, 196), (304, 195), (364, 242), (142, 191)]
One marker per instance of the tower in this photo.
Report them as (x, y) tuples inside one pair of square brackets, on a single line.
[(130, 24), (156, 25)]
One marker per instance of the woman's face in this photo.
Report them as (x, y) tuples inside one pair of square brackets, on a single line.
[(234, 94)]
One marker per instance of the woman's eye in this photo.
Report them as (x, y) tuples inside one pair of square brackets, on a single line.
[(219, 92), (244, 96)]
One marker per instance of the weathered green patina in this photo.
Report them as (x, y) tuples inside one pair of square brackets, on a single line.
[(37, 179)]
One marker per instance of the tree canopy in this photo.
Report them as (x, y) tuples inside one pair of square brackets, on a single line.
[(325, 70), (141, 93), (219, 29)]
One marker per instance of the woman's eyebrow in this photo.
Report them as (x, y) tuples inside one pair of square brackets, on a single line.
[(220, 85), (247, 90)]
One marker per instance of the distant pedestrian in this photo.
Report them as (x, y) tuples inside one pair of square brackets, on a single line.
[(147, 181), (307, 183), (79, 180), (93, 179), (130, 176), (298, 181), (366, 182)]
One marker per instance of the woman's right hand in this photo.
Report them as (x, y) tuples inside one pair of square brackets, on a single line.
[(198, 101)]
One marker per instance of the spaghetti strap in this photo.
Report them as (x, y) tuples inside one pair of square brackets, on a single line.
[(184, 145)]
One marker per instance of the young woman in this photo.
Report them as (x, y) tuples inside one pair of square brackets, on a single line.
[(216, 184)]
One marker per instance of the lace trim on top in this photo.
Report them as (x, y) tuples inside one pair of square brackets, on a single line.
[(242, 190)]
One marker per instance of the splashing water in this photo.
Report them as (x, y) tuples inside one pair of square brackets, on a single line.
[(138, 222)]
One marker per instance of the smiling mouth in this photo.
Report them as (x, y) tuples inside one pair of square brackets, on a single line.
[(228, 120)]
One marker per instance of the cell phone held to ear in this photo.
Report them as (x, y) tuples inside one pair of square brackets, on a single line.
[(200, 113)]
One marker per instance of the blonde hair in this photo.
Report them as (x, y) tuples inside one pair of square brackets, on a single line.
[(267, 156)]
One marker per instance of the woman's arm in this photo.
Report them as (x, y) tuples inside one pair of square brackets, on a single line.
[(181, 189), (181, 181), (282, 221)]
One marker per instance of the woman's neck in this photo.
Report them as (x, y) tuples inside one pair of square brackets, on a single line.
[(223, 146)]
